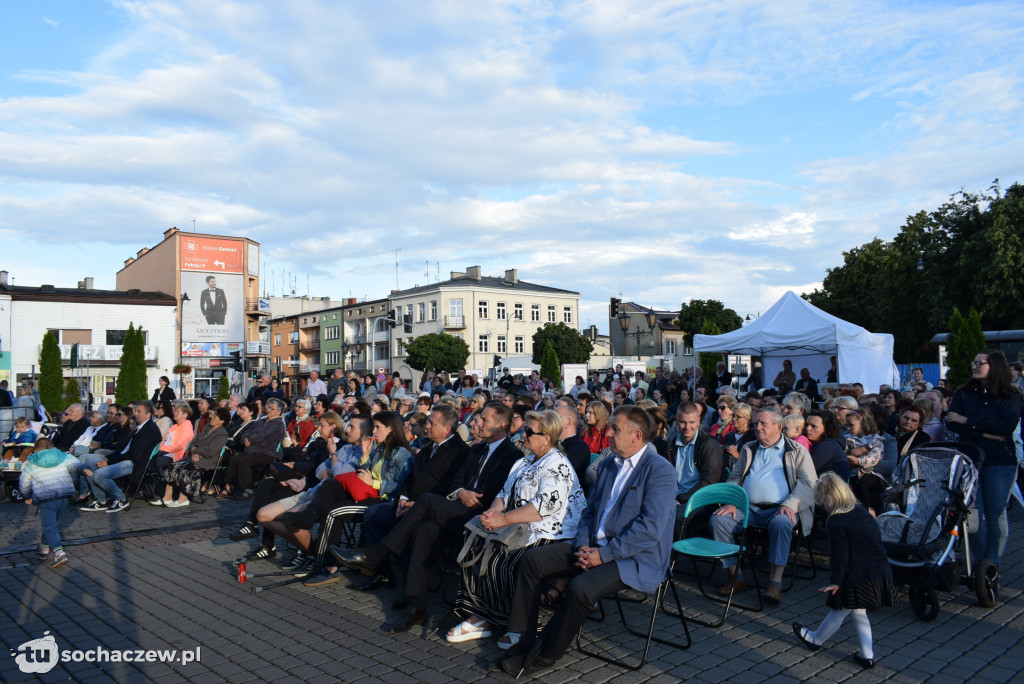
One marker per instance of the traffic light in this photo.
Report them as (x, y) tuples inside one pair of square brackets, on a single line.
[(392, 318), (236, 361), (497, 360)]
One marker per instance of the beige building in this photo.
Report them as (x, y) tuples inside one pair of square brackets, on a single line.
[(215, 280), (494, 315)]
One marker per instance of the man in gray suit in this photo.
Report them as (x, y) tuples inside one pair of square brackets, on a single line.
[(624, 540)]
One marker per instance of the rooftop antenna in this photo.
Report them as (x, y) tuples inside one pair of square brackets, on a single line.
[(427, 273), (396, 251), (307, 284), (193, 225)]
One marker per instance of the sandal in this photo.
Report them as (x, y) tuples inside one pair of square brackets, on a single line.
[(467, 631), (508, 640)]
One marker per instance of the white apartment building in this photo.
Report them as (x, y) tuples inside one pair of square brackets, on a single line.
[(94, 319), (494, 315)]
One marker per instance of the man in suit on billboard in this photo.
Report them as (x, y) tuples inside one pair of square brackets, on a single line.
[(212, 302)]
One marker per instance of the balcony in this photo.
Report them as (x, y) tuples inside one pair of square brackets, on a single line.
[(308, 367), (257, 307), (309, 345), (454, 322)]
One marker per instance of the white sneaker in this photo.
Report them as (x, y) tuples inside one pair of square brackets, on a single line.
[(176, 504)]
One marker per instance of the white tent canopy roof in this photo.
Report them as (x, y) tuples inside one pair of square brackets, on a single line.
[(794, 328)]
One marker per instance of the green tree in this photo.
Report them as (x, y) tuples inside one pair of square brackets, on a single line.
[(964, 254), (223, 390), (437, 352), (570, 346), (131, 378), (708, 361), (550, 366), (698, 312), (51, 375), (964, 342), (71, 394)]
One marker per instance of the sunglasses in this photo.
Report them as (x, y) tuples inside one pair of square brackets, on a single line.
[(723, 406), (530, 432)]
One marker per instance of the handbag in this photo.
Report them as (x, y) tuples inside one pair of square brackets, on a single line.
[(481, 543)]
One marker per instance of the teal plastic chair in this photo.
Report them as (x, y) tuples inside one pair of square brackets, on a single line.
[(701, 548), (145, 473)]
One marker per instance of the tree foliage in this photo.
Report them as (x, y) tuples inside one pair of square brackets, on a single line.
[(223, 390), (71, 394), (694, 316), (550, 366), (437, 352), (965, 340), (709, 361), (131, 378), (967, 253), (570, 345), (51, 375)]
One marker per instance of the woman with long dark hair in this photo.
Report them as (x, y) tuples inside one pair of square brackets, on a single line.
[(828, 451), (985, 411)]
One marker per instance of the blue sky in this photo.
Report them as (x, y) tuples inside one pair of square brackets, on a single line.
[(665, 150)]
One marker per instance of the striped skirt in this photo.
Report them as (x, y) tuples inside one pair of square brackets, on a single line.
[(490, 596)]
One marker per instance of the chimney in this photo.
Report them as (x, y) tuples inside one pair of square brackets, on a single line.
[(350, 301), (458, 274), (81, 284), (129, 261), (511, 276), (46, 288), (141, 252), (170, 231), (473, 272), (88, 283), (134, 293), (3, 278)]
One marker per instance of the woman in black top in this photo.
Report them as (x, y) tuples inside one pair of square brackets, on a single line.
[(163, 392), (985, 411)]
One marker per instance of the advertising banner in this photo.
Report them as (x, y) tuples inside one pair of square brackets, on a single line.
[(209, 348), (569, 373), (214, 312), (211, 255)]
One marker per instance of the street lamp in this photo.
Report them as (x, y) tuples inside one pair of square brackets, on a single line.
[(624, 319)]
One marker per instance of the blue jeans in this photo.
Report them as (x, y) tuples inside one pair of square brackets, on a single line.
[(780, 532), (102, 481), (49, 514), (89, 461), (993, 495)]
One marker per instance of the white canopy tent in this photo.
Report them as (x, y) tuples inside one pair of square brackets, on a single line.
[(796, 330)]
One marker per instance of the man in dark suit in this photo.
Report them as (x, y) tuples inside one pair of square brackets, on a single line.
[(723, 378), (624, 540), (132, 459), (574, 448), (472, 490), (807, 385), (212, 302), (74, 426)]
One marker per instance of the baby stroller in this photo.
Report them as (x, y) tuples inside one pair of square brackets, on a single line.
[(925, 528)]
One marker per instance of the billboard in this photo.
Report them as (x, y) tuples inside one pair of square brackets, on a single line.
[(211, 255), (214, 310), (209, 348)]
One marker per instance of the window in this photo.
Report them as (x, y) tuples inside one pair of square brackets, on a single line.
[(519, 311), (277, 361), (520, 345), (332, 358), (433, 311), (483, 344), (408, 312), (502, 345), (535, 313), (551, 314), (331, 332), (293, 360), (670, 347), (399, 347), (687, 351), (380, 352), (277, 339), (458, 335), (455, 307), (501, 311), (421, 312), (481, 310), (293, 337), (567, 314), (114, 337)]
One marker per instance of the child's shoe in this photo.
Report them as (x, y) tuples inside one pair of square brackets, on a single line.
[(59, 559)]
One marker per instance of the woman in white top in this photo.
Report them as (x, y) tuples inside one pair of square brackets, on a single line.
[(541, 490)]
